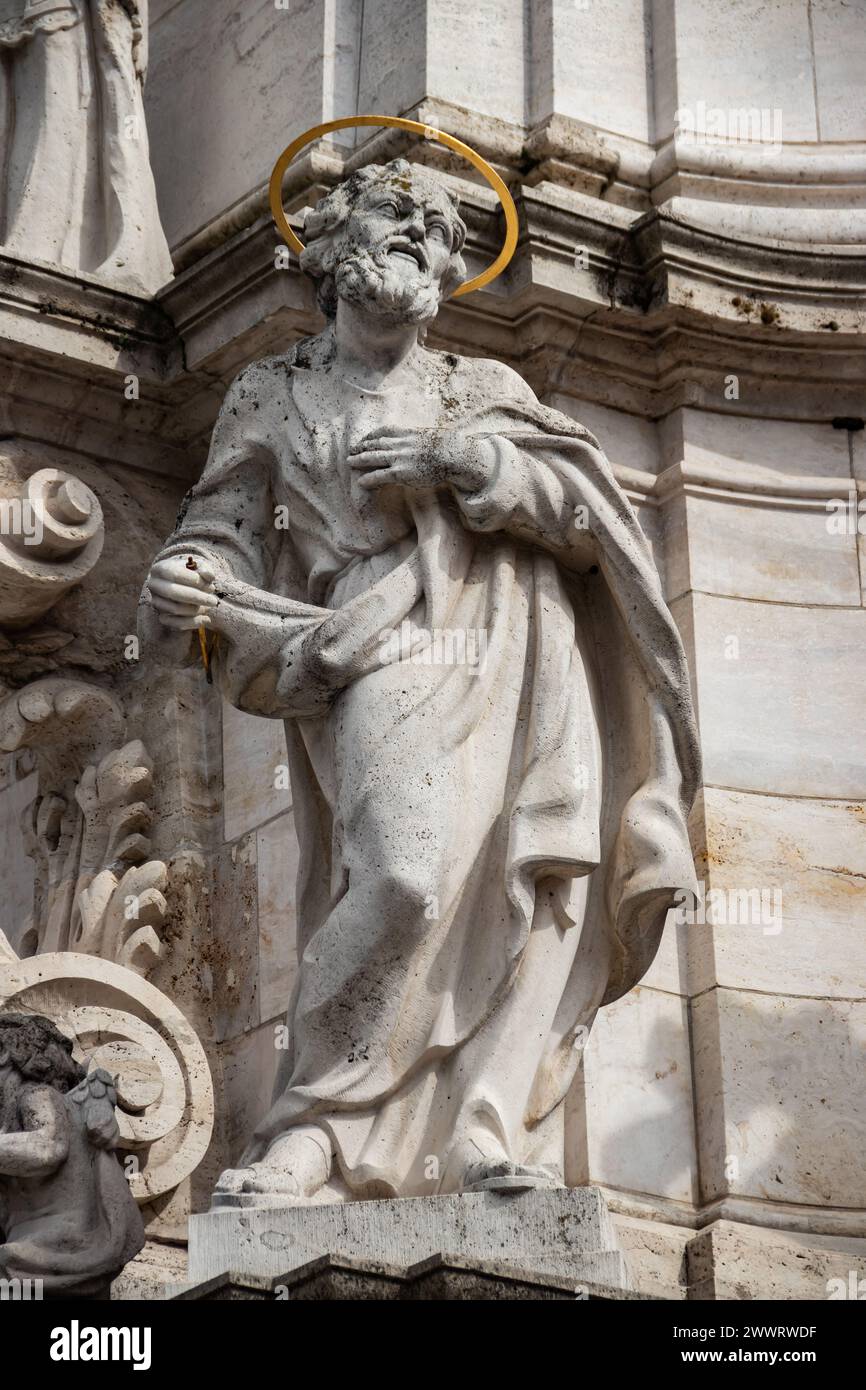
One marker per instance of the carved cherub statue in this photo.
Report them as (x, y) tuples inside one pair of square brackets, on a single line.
[(67, 1216)]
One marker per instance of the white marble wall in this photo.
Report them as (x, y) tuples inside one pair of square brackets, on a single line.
[(231, 84), (615, 74), (575, 46), (734, 1074)]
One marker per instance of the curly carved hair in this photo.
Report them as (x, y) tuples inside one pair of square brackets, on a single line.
[(39, 1051), (329, 216)]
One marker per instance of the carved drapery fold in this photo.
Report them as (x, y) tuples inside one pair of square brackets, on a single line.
[(76, 187)]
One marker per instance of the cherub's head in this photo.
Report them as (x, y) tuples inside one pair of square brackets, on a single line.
[(389, 240), (35, 1050)]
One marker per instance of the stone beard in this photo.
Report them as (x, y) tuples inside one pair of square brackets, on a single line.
[(373, 282), (488, 849)]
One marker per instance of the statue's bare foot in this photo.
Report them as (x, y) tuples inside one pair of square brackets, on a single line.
[(501, 1175), (293, 1169)]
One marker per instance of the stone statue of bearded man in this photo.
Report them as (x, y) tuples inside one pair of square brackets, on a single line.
[(488, 845)]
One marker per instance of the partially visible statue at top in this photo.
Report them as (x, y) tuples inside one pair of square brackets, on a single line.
[(76, 186), (67, 1216)]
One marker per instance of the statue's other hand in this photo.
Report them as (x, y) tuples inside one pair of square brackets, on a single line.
[(425, 459), (181, 591)]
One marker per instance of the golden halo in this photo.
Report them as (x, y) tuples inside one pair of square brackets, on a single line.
[(496, 183)]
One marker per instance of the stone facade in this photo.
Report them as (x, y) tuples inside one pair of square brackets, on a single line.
[(689, 284)]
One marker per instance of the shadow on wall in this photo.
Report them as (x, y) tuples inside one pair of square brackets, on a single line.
[(780, 1092)]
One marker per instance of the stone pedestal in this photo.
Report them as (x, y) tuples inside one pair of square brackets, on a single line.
[(562, 1232), (441, 1279)]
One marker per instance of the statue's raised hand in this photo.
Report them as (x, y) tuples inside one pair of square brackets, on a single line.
[(426, 459)]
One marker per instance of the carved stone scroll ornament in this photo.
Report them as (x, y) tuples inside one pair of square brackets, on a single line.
[(51, 536), (122, 1024), (98, 890)]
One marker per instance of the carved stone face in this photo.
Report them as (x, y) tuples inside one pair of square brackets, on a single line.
[(393, 244), (396, 249), (407, 221)]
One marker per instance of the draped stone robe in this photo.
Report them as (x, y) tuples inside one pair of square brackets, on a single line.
[(76, 185), (487, 851)]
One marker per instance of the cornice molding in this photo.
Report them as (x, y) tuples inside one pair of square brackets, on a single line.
[(642, 314), (751, 1211), (739, 482)]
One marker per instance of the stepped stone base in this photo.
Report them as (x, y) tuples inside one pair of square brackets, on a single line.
[(444, 1278), (563, 1234)]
